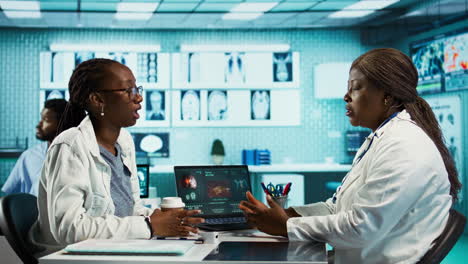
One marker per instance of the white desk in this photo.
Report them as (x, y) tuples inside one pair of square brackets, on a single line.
[(196, 254), (275, 168)]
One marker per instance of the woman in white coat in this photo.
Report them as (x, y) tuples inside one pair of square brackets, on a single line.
[(395, 200), (89, 186)]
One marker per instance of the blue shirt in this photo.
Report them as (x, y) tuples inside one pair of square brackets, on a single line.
[(24, 178), (120, 185)]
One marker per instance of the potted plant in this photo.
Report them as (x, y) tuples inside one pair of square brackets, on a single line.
[(217, 152)]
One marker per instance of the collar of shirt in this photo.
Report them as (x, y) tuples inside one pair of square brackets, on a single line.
[(86, 126)]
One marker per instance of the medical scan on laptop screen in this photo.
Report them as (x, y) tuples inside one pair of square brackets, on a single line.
[(143, 179), (215, 190)]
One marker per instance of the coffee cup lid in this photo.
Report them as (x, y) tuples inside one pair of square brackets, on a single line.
[(172, 202)]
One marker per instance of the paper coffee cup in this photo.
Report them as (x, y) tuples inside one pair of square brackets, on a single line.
[(172, 203)]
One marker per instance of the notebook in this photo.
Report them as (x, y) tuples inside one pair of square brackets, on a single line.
[(217, 192), (129, 247)]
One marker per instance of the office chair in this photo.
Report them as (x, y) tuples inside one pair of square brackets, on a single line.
[(18, 212), (445, 242)]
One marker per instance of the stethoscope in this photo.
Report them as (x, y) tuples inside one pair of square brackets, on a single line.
[(356, 161)]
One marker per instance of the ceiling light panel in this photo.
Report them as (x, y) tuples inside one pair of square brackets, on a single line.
[(371, 4), (273, 19), (254, 7), (351, 13), (20, 5), (293, 7), (215, 7), (136, 7), (333, 5), (22, 14), (241, 16)]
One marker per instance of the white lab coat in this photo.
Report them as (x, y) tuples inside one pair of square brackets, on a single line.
[(392, 205), (74, 192)]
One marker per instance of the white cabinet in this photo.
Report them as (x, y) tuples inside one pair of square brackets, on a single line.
[(331, 80)]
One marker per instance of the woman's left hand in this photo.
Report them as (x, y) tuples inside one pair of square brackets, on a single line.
[(175, 222), (269, 220)]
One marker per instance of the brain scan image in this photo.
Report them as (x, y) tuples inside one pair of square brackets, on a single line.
[(151, 143), (217, 105), (190, 105)]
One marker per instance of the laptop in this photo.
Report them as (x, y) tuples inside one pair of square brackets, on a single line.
[(217, 192)]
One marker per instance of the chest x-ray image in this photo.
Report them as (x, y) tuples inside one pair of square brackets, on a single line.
[(234, 68), (282, 67), (190, 105), (193, 73), (217, 105), (62, 66), (260, 105), (119, 56), (155, 107), (83, 56)]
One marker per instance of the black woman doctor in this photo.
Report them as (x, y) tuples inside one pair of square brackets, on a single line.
[(396, 198)]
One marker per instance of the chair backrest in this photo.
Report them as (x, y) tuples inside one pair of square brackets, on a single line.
[(18, 212), (445, 242)]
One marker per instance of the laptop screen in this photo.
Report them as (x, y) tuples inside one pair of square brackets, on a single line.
[(215, 190)]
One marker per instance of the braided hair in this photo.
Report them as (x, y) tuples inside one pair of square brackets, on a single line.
[(87, 77), (394, 72)]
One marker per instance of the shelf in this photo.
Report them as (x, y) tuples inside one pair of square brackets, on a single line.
[(274, 168)]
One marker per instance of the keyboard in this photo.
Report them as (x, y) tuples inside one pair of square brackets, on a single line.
[(225, 220)]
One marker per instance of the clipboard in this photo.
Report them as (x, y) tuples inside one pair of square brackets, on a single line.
[(130, 247)]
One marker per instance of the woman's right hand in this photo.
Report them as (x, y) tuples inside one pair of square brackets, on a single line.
[(175, 223)]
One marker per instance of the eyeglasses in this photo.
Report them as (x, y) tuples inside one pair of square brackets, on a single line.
[(132, 92)]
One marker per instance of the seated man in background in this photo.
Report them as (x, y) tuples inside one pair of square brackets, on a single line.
[(25, 175)]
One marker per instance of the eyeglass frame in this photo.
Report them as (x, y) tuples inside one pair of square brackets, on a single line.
[(130, 91)]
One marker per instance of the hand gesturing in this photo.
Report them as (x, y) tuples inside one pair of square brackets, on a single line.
[(269, 220)]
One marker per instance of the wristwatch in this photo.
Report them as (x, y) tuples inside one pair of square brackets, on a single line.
[(148, 222)]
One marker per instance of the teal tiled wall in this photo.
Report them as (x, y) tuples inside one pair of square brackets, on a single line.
[(323, 121)]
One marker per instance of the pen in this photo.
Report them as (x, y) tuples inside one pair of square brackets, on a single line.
[(287, 188), (265, 189), (180, 238)]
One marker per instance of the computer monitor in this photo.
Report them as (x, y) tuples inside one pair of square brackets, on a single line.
[(442, 62), (143, 174), (354, 140)]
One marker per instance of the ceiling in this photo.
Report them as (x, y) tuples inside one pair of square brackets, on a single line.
[(207, 14)]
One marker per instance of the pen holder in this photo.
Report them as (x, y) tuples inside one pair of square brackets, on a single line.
[(281, 200)]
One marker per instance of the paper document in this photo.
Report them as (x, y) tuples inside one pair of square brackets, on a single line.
[(130, 247)]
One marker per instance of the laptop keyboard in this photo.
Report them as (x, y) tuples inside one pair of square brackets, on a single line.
[(227, 220)]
